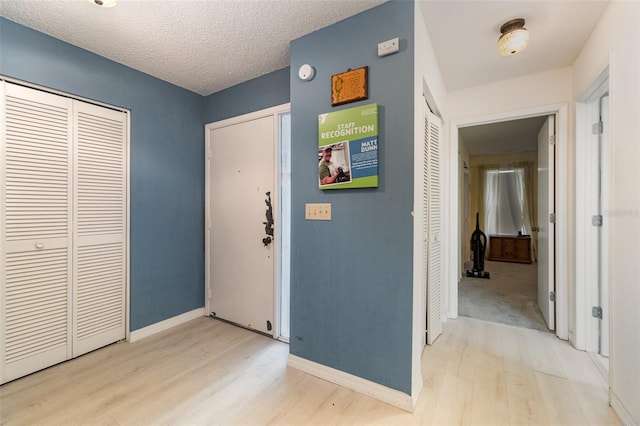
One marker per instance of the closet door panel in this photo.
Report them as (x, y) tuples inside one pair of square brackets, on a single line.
[(36, 317), (434, 272), (35, 231), (100, 231)]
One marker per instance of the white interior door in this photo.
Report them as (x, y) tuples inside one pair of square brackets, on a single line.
[(433, 214), (546, 225), (241, 268), (100, 227), (35, 228), (603, 246)]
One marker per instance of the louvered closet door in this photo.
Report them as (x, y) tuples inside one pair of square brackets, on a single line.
[(434, 226), (35, 252), (100, 227)]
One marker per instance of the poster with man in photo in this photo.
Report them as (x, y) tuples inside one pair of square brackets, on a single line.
[(348, 148)]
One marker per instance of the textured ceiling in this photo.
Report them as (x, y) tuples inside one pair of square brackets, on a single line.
[(204, 46), (465, 33), (504, 137), (208, 45)]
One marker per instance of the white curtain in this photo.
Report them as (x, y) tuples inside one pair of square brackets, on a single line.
[(506, 201), (491, 192), (523, 202)]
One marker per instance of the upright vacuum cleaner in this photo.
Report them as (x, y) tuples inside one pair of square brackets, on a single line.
[(478, 246)]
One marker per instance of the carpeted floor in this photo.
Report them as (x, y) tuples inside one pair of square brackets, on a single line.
[(509, 297)]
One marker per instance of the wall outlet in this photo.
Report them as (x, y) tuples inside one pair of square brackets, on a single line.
[(388, 47), (317, 211)]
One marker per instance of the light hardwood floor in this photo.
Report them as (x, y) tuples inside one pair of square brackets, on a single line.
[(209, 372)]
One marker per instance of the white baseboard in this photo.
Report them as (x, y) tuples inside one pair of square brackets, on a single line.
[(415, 392), (623, 414), (358, 384), (149, 330)]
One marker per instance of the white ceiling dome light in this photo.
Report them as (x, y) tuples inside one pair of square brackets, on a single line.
[(514, 38), (104, 3)]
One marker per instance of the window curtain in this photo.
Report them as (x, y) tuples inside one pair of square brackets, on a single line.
[(524, 188), (491, 195), (507, 201)]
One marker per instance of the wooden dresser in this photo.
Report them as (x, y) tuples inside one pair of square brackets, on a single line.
[(510, 248)]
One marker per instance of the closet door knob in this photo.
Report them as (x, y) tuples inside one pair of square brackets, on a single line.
[(39, 246)]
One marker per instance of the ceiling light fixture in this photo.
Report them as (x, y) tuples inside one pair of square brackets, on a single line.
[(104, 3), (514, 38)]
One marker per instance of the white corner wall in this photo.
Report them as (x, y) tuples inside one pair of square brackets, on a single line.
[(615, 42), (427, 78)]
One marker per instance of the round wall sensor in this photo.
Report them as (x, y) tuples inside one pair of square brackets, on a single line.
[(306, 72)]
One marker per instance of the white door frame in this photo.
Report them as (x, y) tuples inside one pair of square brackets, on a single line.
[(274, 112), (586, 333), (562, 204)]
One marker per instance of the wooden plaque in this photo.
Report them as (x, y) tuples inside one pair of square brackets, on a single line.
[(350, 86)]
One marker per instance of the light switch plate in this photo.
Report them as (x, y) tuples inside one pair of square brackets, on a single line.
[(317, 211)]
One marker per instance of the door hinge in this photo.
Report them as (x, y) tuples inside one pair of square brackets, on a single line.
[(552, 218), (596, 312), (552, 139), (552, 296), (597, 128), (596, 220)]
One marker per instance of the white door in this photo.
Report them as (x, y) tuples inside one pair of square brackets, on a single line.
[(603, 231), (63, 234), (35, 228), (433, 225), (99, 227), (241, 271), (546, 219)]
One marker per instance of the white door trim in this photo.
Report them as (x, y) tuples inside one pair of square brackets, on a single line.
[(562, 197), (277, 221), (127, 244), (586, 328), (274, 112)]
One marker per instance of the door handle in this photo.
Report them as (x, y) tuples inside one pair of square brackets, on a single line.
[(39, 245), (535, 229), (268, 225)]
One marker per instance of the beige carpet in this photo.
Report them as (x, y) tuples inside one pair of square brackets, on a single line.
[(509, 297)]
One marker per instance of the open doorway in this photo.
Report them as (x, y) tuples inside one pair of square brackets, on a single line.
[(510, 185)]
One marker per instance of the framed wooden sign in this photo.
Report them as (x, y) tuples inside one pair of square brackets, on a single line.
[(350, 86)]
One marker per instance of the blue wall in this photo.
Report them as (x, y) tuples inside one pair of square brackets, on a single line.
[(263, 92), (167, 164), (351, 278)]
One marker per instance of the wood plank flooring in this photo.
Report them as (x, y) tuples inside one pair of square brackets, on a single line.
[(207, 372)]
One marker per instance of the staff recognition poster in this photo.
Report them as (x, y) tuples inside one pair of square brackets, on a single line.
[(348, 148)]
